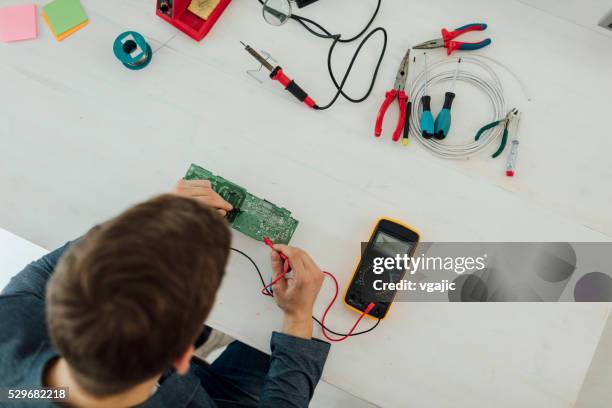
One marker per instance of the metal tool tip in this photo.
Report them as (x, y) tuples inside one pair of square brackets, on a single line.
[(243, 44)]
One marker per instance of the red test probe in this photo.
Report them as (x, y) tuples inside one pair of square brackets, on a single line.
[(287, 268), (277, 74)]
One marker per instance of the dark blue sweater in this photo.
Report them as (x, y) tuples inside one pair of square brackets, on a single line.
[(25, 349)]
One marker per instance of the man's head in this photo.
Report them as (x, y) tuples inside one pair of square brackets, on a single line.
[(129, 298)]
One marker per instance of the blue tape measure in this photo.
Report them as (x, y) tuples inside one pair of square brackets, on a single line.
[(132, 50)]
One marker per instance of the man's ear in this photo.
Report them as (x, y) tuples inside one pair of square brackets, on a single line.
[(181, 364)]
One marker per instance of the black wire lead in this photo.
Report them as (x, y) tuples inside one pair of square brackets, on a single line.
[(337, 38), (263, 282)]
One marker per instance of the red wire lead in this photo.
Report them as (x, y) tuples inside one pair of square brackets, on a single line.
[(287, 268)]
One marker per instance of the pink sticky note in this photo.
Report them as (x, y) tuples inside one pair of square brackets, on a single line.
[(18, 23)]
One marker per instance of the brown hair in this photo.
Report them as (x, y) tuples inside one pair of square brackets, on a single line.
[(128, 299)]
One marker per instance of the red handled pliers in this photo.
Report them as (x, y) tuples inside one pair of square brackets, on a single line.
[(451, 46), (399, 93)]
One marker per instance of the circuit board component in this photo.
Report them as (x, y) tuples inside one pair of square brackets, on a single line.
[(251, 215)]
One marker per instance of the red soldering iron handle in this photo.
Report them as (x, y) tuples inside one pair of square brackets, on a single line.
[(290, 85)]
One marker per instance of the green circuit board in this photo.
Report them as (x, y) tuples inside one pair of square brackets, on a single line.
[(251, 215)]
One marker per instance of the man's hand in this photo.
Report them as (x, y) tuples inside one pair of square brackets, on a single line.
[(202, 191), (296, 295)]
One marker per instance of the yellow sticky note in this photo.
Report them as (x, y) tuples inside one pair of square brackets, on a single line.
[(203, 8), (67, 33)]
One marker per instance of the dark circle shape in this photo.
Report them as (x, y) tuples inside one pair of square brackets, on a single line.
[(129, 46), (469, 288), (594, 287)]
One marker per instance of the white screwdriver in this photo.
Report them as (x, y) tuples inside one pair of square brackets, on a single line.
[(511, 162)]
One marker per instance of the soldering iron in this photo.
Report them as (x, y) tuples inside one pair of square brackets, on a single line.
[(278, 12), (277, 74)]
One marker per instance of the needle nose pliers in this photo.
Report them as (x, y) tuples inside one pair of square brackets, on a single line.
[(398, 92), (514, 113), (451, 46)]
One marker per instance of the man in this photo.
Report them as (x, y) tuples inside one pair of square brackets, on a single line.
[(114, 315)]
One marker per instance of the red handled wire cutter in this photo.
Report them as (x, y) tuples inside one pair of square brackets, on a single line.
[(398, 92), (451, 46)]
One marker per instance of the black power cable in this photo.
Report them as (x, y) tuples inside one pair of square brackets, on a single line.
[(263, 282), (308, 24)]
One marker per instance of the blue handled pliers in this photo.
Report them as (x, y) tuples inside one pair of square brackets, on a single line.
[(451, 46)]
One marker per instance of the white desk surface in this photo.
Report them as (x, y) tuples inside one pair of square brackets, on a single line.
[(82, 138)]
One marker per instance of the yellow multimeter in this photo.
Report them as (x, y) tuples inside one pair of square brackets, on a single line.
[(389, 238)]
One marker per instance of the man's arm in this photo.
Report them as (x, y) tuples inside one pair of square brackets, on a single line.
[(297, 360), (33, 278), (296, 366)]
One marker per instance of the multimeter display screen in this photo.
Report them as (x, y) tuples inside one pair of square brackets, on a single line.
[(389, 246), (384, 245)]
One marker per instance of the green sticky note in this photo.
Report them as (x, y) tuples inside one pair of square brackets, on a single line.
[(64, 15)]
